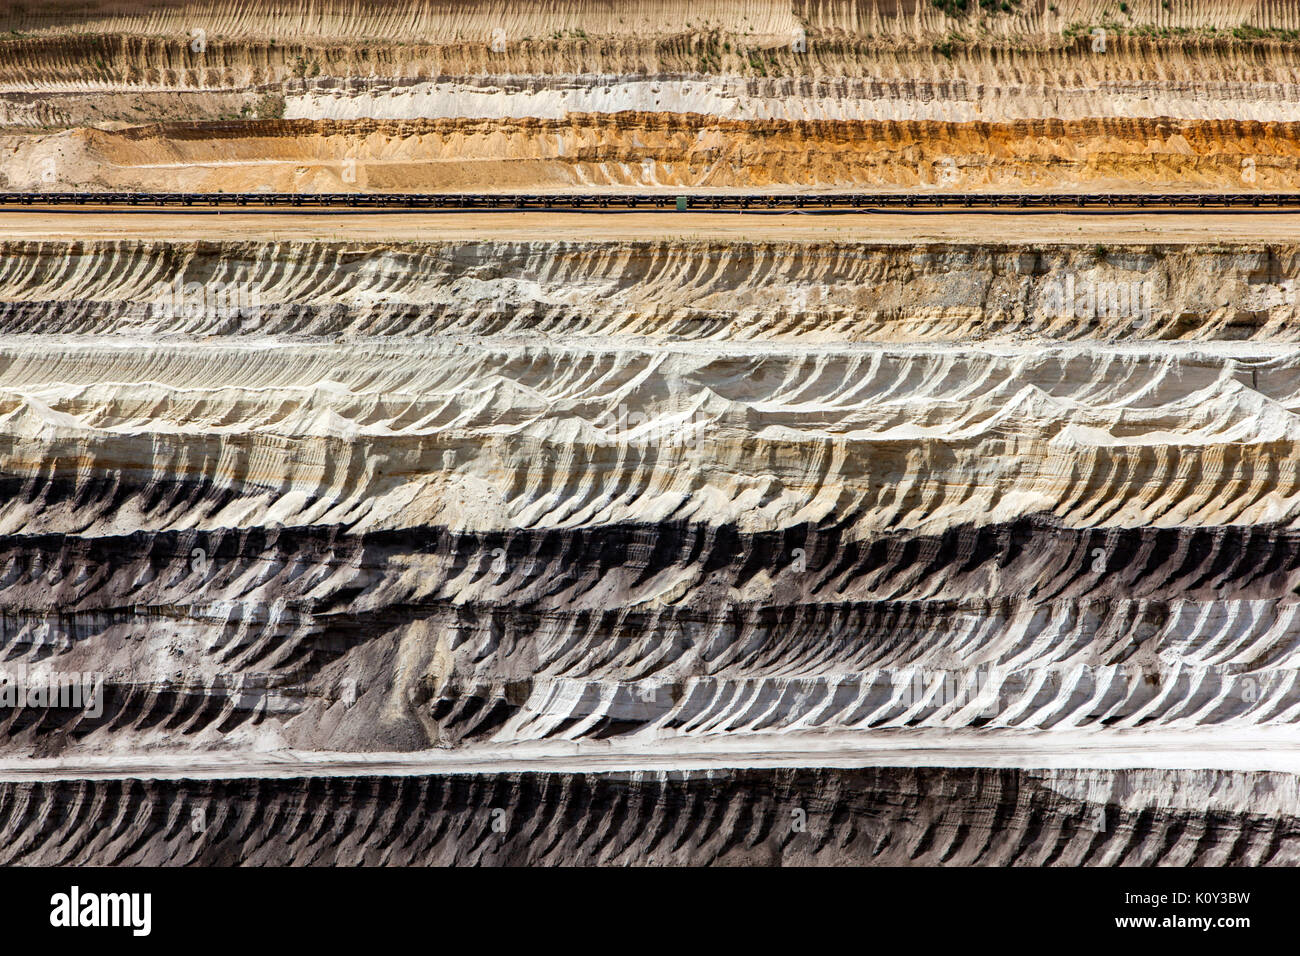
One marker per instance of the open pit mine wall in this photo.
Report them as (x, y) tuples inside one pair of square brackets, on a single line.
[(127, 82), (898, 816), (644, 150), (396, 97), (673, 495), (366, 497), (389, 497)]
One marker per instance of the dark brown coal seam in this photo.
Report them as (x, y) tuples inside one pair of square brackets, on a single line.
[(1217, 561), (872, 815)]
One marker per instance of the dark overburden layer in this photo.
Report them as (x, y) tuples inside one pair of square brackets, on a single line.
[(874, 816)]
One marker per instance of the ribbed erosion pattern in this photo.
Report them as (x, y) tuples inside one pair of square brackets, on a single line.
[(565, 292), (405, 642), (172, 437), (955, 817), (676, 496), (661, 149)]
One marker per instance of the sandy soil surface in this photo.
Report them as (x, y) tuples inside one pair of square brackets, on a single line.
[(662, 148), (1085, 227), (1257, 749)]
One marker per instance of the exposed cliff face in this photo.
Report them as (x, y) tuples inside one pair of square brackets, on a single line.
[(888, 816), (473, 496), (650, 548), (398, 497), (491, 438), (325, 640), (614, 296), (660, 149), (988, 82), (459, 96)]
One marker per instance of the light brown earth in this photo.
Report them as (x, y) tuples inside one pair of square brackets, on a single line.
[(580, 95), (879, 227), (637, 150)]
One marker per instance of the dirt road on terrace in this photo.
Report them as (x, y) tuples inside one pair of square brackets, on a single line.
[(1090, 227), (1268, 750)]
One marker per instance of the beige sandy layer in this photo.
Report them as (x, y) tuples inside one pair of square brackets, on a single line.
[(584, 293), (450, 95), (73, 64), (1063, 57), (86, 81), (1261, 92), (645, 150), (449, 21), (491, 435), (883, 227)]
